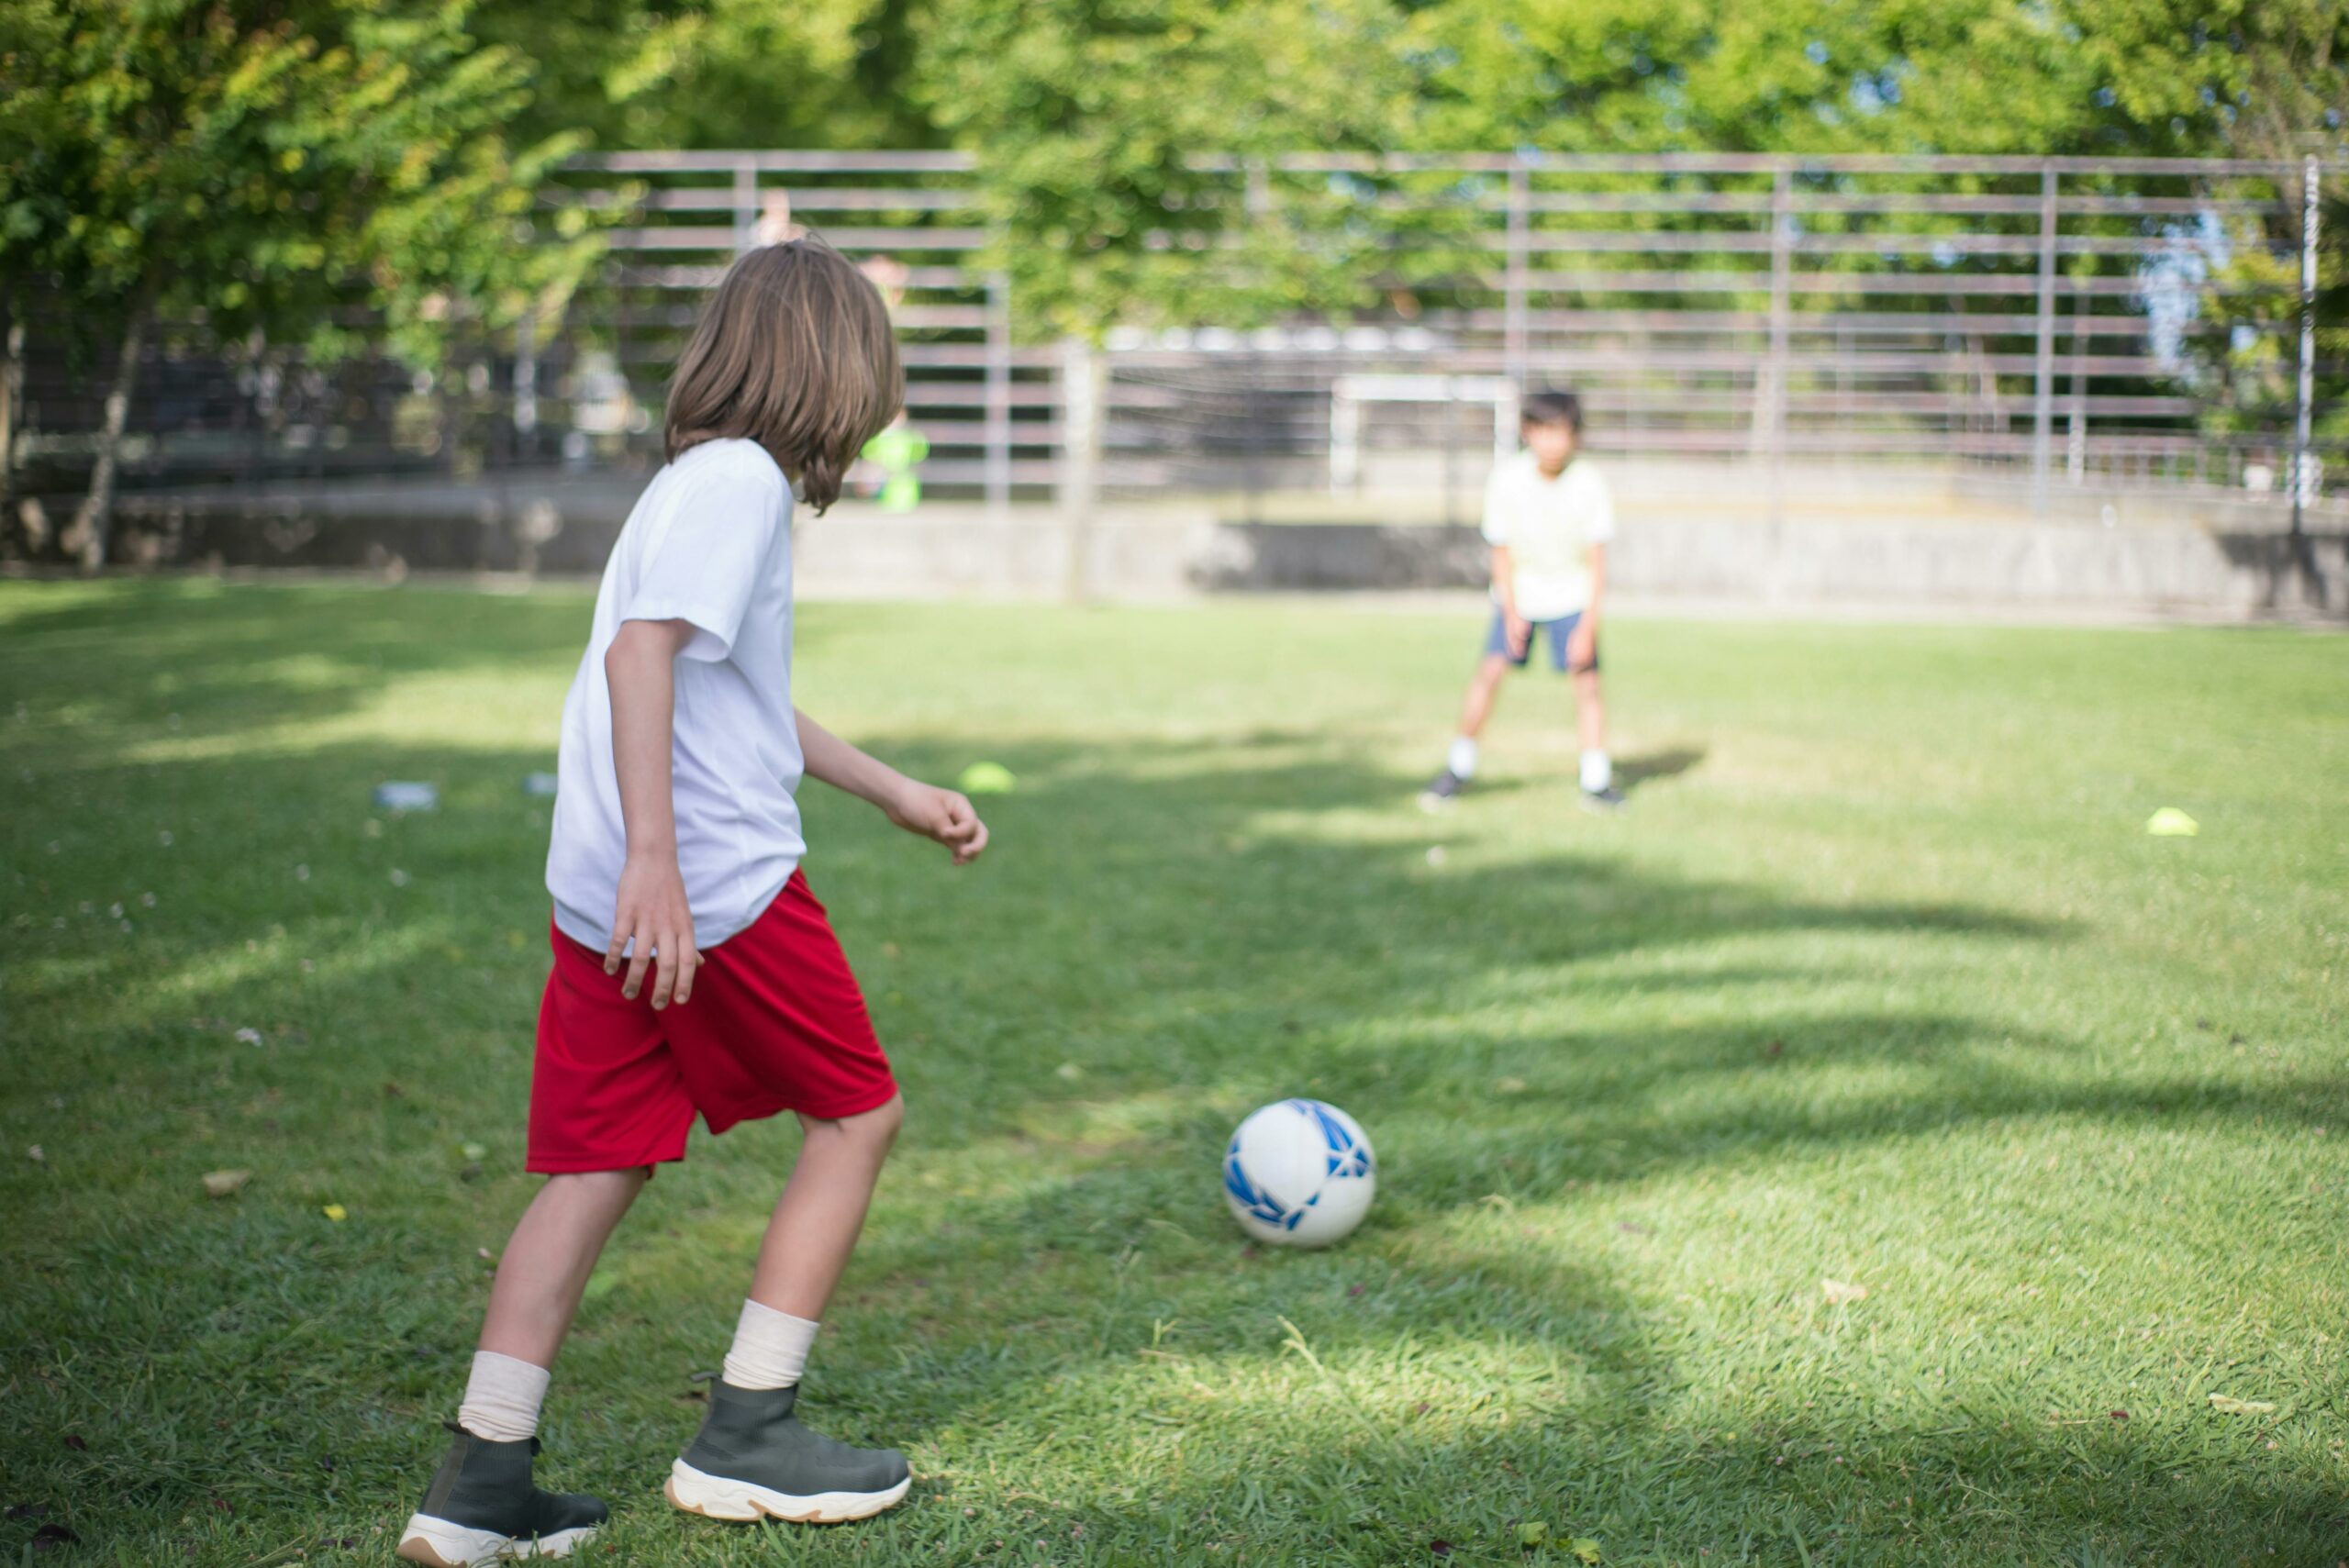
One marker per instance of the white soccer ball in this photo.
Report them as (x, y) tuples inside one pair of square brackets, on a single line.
[(1299, 1173)]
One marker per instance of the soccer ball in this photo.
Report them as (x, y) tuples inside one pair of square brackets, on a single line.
[(1299, 1173)]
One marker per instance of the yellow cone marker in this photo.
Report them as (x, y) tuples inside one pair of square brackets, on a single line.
[(2169, 822), (987, 778)]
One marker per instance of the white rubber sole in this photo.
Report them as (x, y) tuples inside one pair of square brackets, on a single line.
[(437, 1543), (716, 1497)]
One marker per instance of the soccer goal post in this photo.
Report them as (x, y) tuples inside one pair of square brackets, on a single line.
[(1349, 393)]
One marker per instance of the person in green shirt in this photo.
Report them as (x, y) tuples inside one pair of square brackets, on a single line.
[(897, 451)]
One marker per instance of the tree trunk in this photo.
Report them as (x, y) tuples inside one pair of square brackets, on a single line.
[(96, 514), (12, 391)]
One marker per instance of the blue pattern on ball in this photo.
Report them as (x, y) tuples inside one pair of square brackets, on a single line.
[(1347, 1158), (1259, 1204)]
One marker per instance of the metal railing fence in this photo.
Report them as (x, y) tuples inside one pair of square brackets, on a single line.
[(2081, 322)]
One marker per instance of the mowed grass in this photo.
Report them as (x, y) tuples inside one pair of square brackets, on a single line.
[(1878, 981)]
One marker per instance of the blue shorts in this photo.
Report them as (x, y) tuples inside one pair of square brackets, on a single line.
[(1559, 631)]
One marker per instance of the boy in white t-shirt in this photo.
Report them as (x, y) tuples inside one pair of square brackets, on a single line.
[(1548, 518), (696, 977)]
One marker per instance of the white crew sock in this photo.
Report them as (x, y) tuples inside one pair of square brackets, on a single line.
[(1462, 757), (1598, 770), (502, 1398), (770, 1348)]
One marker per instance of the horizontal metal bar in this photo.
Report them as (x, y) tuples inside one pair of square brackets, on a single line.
[(1664, 281), (926, 394), (973, 432), (804, 199), (914, 356), (1753, 164), (1656, 360), (974, 470), (1706, 203), (1745, 163), (701, 279), (2015, 323), (1620, 402), (1633, 201), (703, 236), (1560, 241), (778, 161), (912, 316)]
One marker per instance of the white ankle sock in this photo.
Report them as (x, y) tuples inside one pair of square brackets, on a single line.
[(1598, 770), (770, 1348), (502, 1398), (1462, 757)]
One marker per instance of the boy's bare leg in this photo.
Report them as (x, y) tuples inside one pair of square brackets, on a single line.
[(1599, 791), (1483, 687), (753, 1456), (545, 1267), (815, 1221), (1460, 759), (482, 1506), (1590, 711)]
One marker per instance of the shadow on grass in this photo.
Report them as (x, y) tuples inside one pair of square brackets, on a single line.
[(215, 659), (1646, 767)]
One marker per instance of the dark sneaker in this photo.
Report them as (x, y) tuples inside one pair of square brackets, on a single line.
[(1441, 790), (482, 1508), (752, 1458), (1602, 800)]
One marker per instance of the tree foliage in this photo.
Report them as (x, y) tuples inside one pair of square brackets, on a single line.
[(256, 169), (249, 168), (1089, 118)]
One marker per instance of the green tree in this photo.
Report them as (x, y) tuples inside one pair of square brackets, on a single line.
[(1806, 76), (2253, 78), (715, 73), (1088, 118), (234, 169)]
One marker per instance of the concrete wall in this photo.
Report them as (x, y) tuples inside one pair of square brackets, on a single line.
[(2053, 569), (2210, 557)]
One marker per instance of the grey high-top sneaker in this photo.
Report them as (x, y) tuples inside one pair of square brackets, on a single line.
[(753, 1457), (481, 1508)]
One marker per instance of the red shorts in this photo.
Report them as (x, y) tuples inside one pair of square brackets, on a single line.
[(775, 1023)]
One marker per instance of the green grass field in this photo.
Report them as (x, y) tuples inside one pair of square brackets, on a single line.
[(1879, 981)]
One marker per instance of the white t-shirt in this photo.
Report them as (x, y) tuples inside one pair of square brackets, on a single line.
[(1549, 526), (710, 542)]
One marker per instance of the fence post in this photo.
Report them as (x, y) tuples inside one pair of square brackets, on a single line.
[(526, 388), (1516, 346), (2043, 416), (1080, 475), (2075, 429), (746, 204), (2304, 413), (1345, 439), (1770, 407), (12, 392), (999, 412)]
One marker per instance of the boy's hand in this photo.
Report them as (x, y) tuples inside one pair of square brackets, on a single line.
[(1521, 633), (1582, 645), (939, 814), (654, 914)]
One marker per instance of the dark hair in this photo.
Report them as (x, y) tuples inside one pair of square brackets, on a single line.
[(793, 351), (1548, 407)]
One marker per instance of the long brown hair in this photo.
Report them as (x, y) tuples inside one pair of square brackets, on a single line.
[(795, 351)]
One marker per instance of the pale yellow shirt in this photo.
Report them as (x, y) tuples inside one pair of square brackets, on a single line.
[(1549, 527)]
